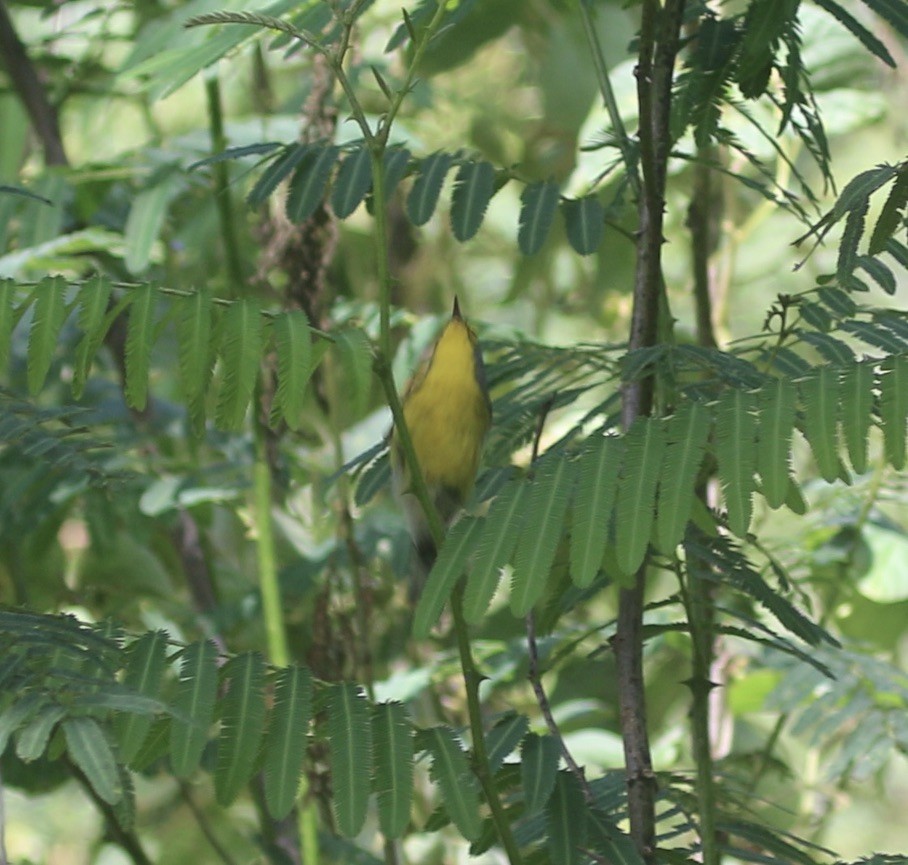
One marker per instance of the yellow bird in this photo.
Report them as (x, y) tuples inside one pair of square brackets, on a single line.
[(448, 413)]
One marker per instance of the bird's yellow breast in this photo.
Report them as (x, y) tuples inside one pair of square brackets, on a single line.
[(447, 411)]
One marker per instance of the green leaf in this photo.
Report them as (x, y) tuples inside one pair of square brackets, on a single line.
[(307, 188), (146, 217), (146, 660), (392, 739), (636, 501), (537, 211), (240, 352), (194, 707), (139, 343), (90, 750), (474, 187), (242, 724), (543, 526), (195, 349), (350, 756), (594, 498), (448, 569), (285, 743), (236, 153), (819, 398), (867, 39), (293, 343), (565, 823), (538, 767), (50, 312), (878, 272), (94, 298), (396, 163), (355, 352), (279, 168), (504, 737), (584, 220), (894, 12), (451, 771), (353, 181), (736, 456), (893, 384), (776, 416), (423, 196), (31, 742), (494, 548), (10, 313), (848, 245), (856, 397), (686, 434), (892, 214)]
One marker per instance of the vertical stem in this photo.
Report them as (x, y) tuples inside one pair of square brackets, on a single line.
[(223, 196), (699, 604), (272, 609), (659, 32)]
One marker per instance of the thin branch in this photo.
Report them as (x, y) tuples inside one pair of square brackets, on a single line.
[(535, 677), (30, 90), (203, 824)]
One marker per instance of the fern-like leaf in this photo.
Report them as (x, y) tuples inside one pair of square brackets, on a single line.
[(94, 297), (354, 178), (423, 197), (538, 767), (474, 187), (451, 771), (736, 456), (50, 312), (550, 494), (537, 212), (350, 753), (494, 548), (31, 742), (242, 724), (293, 343), (594, 499), (392, 740), (566, 834), (636, 502), (139, 342), (193, 707), (145, 665), (776, 416), (240, 351), (90, 750), (894, 408), (307, 188), (396, 164), (195, 350), (856, 397), (819, 398), (285, 743), (584, 221), (686, 434), (448, 569)]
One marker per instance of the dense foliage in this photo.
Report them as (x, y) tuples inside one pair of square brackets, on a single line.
[(669, 627)]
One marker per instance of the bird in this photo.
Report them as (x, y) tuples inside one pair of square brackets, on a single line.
[(448, 413)]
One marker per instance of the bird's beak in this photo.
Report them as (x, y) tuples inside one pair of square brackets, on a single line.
[(456, 312)]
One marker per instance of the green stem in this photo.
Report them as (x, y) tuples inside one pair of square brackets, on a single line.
[(272, 609), (223, 196), (608, 96), (481, 766)]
